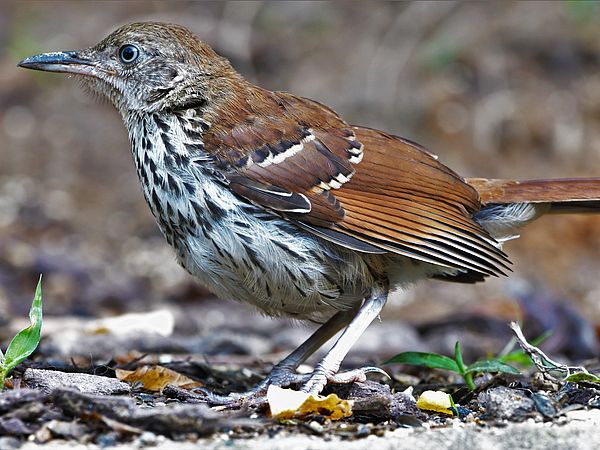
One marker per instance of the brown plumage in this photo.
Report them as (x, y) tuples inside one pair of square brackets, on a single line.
[(274, 200)]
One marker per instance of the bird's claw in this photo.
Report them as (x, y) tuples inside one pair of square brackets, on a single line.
[(358, 375), (255, 397), (319, 378)]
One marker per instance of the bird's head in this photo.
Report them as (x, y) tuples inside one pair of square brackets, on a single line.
[(146, 67)]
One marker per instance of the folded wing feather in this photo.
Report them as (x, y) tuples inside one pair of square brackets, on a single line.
[(401, 200)]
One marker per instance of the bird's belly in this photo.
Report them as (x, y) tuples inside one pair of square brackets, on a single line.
[(271, 265), (241, 252)]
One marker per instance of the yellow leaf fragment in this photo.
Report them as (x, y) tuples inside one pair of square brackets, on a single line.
[(287, 404), (155, 378), (437, 401), (332, 407)]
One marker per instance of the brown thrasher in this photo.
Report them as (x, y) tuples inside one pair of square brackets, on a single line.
[(274, 200)]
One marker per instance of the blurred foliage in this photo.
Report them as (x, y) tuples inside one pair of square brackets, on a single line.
[(582, 10)]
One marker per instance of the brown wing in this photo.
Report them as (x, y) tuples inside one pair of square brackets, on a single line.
[(403, 198), (280, 148), (298, 158)]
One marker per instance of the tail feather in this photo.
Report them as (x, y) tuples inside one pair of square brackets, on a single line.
[(508, 205), (569, 195)]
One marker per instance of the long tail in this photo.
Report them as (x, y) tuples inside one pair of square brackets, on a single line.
[(562, 195), (509, 204)]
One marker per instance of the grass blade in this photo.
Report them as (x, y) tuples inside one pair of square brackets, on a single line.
[(459, 359), (26, 340), (491, 366), (583, 376), (431, 360)]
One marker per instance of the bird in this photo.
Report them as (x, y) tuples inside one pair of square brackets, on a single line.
[(274, 200)]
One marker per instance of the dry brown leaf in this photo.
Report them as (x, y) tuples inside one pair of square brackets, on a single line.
[(155, 378)]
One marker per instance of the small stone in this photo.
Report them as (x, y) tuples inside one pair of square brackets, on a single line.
[(49, 380), (69, 430), (147, 439), (13, 426), (544, 405), (316, 427), (362, 430), (406, 379), (107, 439), (42, 435), (504, 403), (9, 443)]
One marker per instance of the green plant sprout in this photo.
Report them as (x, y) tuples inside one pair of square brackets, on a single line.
[(457, 365), (26, 340)]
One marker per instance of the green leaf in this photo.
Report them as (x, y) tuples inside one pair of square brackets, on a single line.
[(431, 360), (26, 340), (453, 407), (517, 357), (491, 365), (459, 359), (582, 376)]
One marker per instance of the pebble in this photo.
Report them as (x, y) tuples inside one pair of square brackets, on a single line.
[(9, 443), (107, 439), (68, 430), (316, 427), (362, 430), (506, 403), (49, 380), (147, 439)]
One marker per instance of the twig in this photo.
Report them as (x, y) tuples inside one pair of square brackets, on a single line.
[(548, 367)]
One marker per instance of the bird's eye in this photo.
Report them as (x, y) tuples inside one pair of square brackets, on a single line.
[(128, 53)]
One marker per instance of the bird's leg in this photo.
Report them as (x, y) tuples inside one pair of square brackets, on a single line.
[(284, 373), (326, 370)]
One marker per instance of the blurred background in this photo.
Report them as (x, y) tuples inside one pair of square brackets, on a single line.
[(496, 89)]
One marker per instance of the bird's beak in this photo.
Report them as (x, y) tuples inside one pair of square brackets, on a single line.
[(67, 62)]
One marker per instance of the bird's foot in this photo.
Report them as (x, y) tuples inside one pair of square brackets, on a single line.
[(257, 396), (321, 377), (312, 383)]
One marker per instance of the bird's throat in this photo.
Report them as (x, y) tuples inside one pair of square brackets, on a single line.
[(173, 169)]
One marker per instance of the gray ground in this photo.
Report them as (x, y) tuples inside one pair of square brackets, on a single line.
[(579, 430)]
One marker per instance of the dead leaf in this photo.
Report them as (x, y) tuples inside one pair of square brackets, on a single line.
[(437, 401), (287, 404), (155, 378)]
